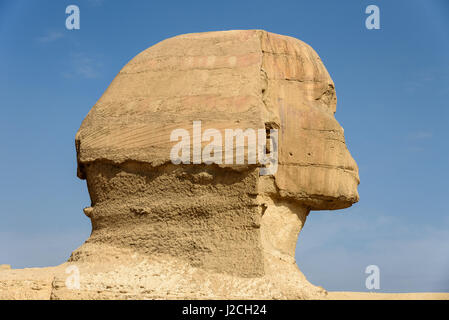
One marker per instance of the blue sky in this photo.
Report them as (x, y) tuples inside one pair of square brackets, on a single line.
[(393, 91)]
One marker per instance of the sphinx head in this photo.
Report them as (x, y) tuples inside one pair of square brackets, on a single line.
[(224, 216)]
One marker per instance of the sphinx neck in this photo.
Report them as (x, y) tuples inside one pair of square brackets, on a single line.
[(281, 224), (208, 217)]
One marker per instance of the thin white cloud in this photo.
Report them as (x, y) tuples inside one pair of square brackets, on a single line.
[(427, 79), (420, 135), (83, 66), (51, 36)]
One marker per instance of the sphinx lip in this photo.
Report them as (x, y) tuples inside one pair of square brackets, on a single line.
[(355, 174)]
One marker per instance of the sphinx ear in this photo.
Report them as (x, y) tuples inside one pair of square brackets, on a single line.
[(268, 155)]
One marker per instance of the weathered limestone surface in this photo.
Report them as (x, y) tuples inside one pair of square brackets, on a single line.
[(161, 230)]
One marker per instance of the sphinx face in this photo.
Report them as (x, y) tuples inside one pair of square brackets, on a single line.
[(315, 166)]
